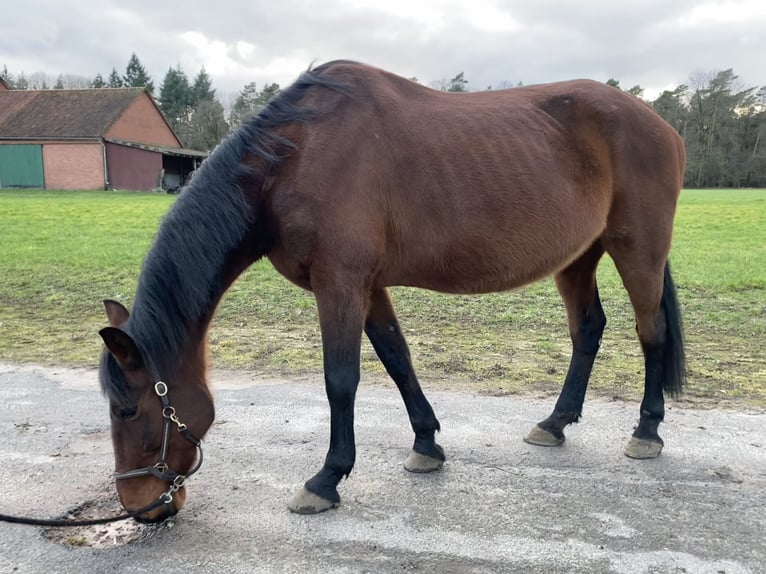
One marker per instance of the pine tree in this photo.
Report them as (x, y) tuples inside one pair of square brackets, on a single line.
[(22, 83), (115, 80), (202, 90), (98, 82), (59, 83), (136, 75), (176, 98)]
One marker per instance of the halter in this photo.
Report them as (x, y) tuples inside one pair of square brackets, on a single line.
[(161, 469)]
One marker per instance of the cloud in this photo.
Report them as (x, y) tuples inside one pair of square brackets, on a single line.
[(654, 43)]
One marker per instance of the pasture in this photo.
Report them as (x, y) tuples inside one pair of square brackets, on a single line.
[(61, 253)]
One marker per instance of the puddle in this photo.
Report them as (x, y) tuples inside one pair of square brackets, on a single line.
[(103, 535)]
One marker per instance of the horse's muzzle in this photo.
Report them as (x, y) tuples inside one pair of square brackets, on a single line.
[(158, 515)]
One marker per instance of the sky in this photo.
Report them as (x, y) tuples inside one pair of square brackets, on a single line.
[(657, 44)]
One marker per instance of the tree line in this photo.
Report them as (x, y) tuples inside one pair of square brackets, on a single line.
[(722, 122)]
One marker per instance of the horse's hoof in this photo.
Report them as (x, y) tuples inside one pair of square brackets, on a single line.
[(641, 448), (417, 462), (541, 437), (305, 502)]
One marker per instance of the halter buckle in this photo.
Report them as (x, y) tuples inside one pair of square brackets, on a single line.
[(160, 388), (178, 483)]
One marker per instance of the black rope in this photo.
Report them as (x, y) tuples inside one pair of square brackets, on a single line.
[(164, 499)]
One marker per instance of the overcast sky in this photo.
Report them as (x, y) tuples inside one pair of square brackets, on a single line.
[(654, 43)]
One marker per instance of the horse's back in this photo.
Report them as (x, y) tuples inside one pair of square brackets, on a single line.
[(472, 192)]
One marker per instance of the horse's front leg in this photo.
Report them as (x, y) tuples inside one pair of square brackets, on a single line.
[(341, 316)]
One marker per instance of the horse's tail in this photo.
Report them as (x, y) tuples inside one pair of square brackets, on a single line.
[(674, 357)]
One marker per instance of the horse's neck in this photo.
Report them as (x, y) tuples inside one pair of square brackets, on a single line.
[(201, 248)]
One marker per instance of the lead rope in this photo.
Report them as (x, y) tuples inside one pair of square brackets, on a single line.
[(165, 498)]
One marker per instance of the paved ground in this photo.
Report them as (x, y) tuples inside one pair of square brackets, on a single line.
[(499, 505)]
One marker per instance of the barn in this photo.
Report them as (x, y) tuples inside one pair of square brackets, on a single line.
[(107, 138)]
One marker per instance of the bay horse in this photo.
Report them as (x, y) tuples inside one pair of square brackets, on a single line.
[(352, 180)]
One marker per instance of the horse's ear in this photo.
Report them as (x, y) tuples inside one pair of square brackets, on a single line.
[(116, 312), (122, 347)]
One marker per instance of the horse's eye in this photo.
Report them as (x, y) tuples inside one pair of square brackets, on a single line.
[(124, 413)]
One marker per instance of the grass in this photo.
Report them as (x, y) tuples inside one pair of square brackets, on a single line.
[(61, 253)]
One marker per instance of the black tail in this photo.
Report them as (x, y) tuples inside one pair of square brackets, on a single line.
[(674, 357)]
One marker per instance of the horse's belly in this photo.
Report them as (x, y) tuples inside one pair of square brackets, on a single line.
[(481, 270)]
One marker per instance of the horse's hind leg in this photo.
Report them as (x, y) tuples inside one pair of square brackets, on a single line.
[(387, 339), (658, 323), (577, 286)]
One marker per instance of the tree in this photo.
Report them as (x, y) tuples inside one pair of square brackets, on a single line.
[(202, 89), (22, 83), (250, 101), (59, 83), (636, 90), (720, 130), (115, 80), (458, 84), (136, 75), (207, 126), (98, 82), (7, 78), (671, 105), (176, 98)]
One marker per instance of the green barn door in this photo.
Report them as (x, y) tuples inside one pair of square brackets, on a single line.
[(21, 166)]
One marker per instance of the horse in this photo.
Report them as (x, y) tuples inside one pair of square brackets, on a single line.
[(353, 180)]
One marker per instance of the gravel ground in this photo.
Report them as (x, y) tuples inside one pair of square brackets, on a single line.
[(499, 505)]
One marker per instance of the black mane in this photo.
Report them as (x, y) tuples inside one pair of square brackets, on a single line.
[(181, 276)]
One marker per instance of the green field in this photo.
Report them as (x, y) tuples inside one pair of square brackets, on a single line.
[(61, 253)]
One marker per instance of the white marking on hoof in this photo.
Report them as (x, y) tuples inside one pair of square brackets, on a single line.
[(417, 462), (542, 437), (305, 502), (640, 448)]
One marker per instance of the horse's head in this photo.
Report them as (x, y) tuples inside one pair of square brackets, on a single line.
[(156, 423)]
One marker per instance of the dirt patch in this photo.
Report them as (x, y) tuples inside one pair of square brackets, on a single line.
[(103, 535)]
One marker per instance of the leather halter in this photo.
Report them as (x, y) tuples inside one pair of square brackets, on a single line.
[(161, 469)]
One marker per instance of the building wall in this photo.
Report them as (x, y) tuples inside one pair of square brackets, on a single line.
[(73, 165), (133, 168), (142, 122)]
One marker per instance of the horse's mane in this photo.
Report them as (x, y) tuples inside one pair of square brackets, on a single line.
[(181, 276)]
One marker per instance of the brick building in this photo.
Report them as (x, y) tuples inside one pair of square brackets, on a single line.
[(111, 138)]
